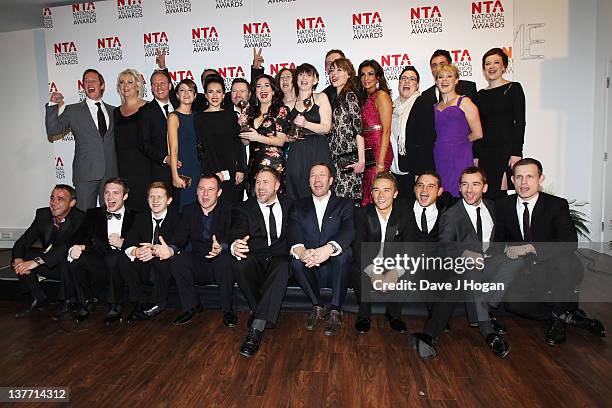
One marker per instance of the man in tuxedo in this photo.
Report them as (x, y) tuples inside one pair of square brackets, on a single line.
[(541, 234), (91, 122), (141, 239), (382, 221), (320, 235), (205, 225), (100, 256), (439, 58), (153, 127), (467, 229), (259, 244), (55, 227)]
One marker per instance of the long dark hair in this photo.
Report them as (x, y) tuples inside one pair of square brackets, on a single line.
[(380, 75), (346, 65), (277, 98)]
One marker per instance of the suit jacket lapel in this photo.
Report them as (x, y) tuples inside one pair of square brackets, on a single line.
[(392, 225), (374, 224), (491, 208), (111, 122), (48, 229), (537, 215), (468, 221), (260, 216), (90, 120), (331, 205)]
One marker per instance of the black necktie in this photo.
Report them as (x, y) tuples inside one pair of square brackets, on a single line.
[(478, 224), (272, 221), (526, 228), (166, 110), (110, 215), (101, 120), (156, 230), (424, 222)]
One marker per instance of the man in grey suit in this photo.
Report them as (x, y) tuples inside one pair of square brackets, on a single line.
[(91, 122)]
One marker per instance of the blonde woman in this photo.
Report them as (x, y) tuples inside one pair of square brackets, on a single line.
[(134, 167)]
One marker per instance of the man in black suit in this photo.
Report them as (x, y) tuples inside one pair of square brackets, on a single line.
[(383, 221), (91, 122), (100, 256), (439, 58), (55, 227), (259, 243), (467, 229), (542, 236), (141, 239), (153, 128), (205, 225), (320, 235)]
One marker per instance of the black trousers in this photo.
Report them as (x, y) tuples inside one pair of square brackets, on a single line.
[(159, 273), (405, 185), (58, 272), (113, 268), (361, 285), (189, 268), (334, 273), (263, 283)]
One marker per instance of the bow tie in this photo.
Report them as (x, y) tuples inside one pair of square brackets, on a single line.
[(110, 215)]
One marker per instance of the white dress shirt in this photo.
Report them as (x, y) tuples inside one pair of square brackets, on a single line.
[(161, 105), (431, 213), (487, 221), (520, 209), (93, 110), (114, 225)]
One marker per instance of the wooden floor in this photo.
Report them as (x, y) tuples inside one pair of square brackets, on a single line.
[(156, 364)]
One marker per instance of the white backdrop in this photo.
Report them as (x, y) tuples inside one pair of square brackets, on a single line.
[(197, 34)]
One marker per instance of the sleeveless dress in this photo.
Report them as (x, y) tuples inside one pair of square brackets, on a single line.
[(188, 156), (372, 134), (303, 153), (453, 149), (134, 167)]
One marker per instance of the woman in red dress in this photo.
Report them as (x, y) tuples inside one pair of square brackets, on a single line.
[(376, 114)]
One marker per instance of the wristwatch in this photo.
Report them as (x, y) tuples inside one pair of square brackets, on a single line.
[(39, 260), (335, 248)]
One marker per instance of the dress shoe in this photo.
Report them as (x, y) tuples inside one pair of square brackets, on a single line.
[(334, 323), (424, 344), (556, 332), (498, 345), (113, 315), (316, 316), (36, 305), (497, 326), (185, 317), (64, 312), (395, 323), (152, 311), (87, 308), (447, 328), (229, 319), (135, 314), (580, 320), (362, 325), (251, 343)]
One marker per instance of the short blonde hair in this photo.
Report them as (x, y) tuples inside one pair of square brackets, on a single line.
[(448, 68), (137, 80)]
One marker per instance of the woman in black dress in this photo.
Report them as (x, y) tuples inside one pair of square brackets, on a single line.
[(220, 147), (133, 165), (502, 112), (311, 121), (267, 117)]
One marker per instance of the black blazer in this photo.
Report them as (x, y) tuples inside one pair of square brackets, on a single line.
[(190, 229), (414, 233), (368, 230), (337, 223), (142, 228), (467, 88), (97, 223), (456, 227), (420, 138), (153, 141), (247, 219), (55, 245), (550, 222)]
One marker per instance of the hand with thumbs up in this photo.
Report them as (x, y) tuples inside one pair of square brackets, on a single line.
[(240, 248), (162, 250), (215, 249)]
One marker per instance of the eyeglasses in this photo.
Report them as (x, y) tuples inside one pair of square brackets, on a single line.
[(413, 79)]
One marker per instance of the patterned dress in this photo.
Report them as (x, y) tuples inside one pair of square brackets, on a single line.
[(372, 134), (346, 125), (263, 155)]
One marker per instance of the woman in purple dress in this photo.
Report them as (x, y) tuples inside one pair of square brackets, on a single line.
[(457, 126)]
